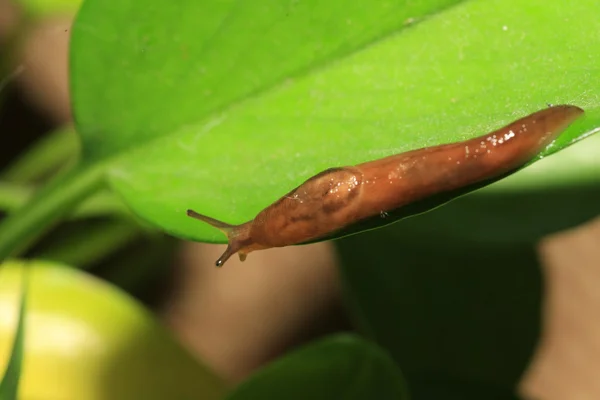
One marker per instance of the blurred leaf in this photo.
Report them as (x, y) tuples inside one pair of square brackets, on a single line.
[(103, 203), (432, 386), (86, 340), (9, 386), (337, 367), (101, 238), (463, 308), (142, 269), (56, 199), (46, 156)]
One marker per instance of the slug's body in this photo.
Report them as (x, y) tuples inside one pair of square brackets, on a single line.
[(338, 197)]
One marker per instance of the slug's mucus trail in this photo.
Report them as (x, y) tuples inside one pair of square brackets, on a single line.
[(339, 197)]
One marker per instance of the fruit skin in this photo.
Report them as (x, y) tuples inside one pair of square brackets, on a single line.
[(86, 340)]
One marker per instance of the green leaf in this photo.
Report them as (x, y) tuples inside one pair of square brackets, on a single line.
[(248, 100), (436, 303), (337, 367), (86, 339), (224, 106), (121, 89), (179, 64), (9, 386)]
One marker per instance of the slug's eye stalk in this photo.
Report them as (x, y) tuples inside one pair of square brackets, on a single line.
[(238, 236), (224, 257)]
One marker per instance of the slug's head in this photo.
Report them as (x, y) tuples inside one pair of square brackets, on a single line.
[(238, 236)]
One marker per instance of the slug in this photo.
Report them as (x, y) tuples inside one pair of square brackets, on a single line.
[(339, 197)]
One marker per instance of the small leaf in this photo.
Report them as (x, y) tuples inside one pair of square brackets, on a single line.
[(338, 367)]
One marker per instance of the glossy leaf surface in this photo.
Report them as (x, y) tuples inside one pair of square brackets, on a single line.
[(237, 103)]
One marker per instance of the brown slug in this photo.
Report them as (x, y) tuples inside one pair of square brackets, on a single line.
[(338, 197)]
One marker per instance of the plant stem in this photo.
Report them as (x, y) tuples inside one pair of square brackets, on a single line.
[(12, 196), (55, 200), (45, 156), (104, 203)]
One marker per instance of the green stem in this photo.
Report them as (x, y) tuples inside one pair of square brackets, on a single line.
[(13, 196), (44, 157), (55, 200)]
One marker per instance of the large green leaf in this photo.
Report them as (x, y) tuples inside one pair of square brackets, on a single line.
[(224, 106), (159, 70), (159, 67), (87, 340), (458, 74), (338, 367)]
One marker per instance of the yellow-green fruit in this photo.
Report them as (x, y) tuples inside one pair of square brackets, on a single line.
[(87, 340)]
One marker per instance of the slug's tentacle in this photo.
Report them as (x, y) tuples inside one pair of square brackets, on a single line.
[(226, 228), (339, 197), (237, 235)]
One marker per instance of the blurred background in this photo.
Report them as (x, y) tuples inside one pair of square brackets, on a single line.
[(238, 318)]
